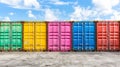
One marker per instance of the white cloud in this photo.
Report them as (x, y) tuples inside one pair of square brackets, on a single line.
[(105, 4), (6, 19), (80, 13), (115, 16), (22, 4), (11, 2), (101, 10), (11, 13), (106, 8), (50, 15), (32, 3), (58, 2), (97, 18), (31, 15)]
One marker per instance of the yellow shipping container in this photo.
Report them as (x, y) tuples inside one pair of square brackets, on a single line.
[(34, 36)]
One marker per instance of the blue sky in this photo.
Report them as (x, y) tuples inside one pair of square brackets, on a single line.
[(50, 10)]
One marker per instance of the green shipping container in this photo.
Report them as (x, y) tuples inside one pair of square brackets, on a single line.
[(10, 36)]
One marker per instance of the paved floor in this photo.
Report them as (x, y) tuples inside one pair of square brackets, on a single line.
[(57, 59)]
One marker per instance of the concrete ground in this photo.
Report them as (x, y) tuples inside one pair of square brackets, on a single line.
[(58, 59)]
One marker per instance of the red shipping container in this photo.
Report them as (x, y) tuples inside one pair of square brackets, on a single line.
[(59, 36), (108, 36)]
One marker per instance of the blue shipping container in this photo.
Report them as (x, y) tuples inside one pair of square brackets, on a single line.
[(83, 36)]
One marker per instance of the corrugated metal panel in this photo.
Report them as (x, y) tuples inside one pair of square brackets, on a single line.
[(34, 36), (83, 35), (102, 36), (10, 36), (16, 39), (28, 32), (114, 36), (90, 36), (59, 36), (65, 36), (53, 36), (40, 36), (108, 35), (78, 36), (5, 36)]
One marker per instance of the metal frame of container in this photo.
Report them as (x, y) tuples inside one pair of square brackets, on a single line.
[(13, 34), (86, 46), (34, 34), (107, 43), (58, 36)]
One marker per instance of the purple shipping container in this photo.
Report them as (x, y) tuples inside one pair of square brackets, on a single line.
[(59, 36)]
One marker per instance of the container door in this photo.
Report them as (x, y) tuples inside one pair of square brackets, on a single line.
[(114, 36), (28, 36), (40, 36), (89, 40), (5, 36), (102, 36), (16, 36), (65, 36), (78, 33), (53, 36)]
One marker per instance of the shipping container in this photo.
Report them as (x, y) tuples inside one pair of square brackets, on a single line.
[(83, 36), (108, 36), (59, 36), (34, 36), (10, 36)]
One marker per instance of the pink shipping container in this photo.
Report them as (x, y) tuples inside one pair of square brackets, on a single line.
[(59, 36)]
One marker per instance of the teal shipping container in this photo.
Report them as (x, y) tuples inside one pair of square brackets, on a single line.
[(10, 36)]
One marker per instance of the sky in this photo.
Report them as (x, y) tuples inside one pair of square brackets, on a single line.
[(54, 10)]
